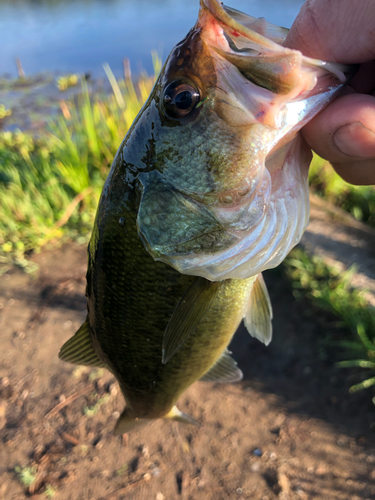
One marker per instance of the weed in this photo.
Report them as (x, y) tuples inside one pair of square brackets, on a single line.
[(122, 470), (26, 475), (83, 450), (96, 374), (66, 81), (363, 346), (49, 491), (90, 411), (4, 112)]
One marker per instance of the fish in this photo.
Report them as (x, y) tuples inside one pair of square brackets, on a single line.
[(207, 190)]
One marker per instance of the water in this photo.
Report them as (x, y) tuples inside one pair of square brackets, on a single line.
[(76, 36)]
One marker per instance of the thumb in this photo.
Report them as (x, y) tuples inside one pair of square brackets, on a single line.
[(344, 134)]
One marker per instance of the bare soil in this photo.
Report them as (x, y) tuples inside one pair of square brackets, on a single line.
[(289, 430)]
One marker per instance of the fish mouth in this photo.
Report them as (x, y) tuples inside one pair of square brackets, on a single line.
[(252, 33), (277, 75)]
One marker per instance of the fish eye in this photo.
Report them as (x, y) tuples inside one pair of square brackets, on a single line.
[(179, 99)]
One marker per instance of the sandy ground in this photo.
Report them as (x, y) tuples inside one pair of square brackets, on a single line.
[(289, 430)]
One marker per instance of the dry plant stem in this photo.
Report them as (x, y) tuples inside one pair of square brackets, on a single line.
[(70, 439), (72, 205), (114, 494), (40, 476), (65, 110), (20, 71), (68, 400), (68, 212)]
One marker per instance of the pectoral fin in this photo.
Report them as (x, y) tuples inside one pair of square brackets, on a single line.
[(79, 349), (259, 313), (188, 313), (224, 370)]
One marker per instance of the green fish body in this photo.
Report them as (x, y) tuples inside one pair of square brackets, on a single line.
[(207, 190), (136, 297), (131, 299)]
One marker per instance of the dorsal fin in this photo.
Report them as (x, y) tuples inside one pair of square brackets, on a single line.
[(224, 370), (188, 313), (79, 350), (259, 313)]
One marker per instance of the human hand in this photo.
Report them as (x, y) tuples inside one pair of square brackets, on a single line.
[(344, 132)]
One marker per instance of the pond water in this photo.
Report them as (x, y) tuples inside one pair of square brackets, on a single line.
[(76, 36)]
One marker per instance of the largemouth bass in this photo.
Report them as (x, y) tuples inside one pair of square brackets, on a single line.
[(208, 189)]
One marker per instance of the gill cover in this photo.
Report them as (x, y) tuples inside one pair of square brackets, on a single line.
[(234, 200)]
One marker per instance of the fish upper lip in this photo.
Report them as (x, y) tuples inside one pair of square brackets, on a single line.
[(218, 11), (223, 17)]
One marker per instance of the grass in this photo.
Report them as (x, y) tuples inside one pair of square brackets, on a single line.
[(330, 289), (357, 200), (26, 475), (50, 185), (49, 491)]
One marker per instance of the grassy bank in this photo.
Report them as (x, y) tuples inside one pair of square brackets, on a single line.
[(328, 289), (50, 186), (359, 201)]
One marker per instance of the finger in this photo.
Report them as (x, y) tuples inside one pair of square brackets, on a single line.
[(358, 172), (340, 30), (345, 130)]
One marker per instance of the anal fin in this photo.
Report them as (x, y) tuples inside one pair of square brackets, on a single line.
[(258, 317), (79, 350), (224, 370)]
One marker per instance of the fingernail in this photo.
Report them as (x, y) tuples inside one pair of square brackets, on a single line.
[(356, 140)]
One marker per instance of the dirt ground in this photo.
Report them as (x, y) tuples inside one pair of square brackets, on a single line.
[(290, 430)]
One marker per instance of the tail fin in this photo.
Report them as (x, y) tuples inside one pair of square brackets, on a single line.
[(128, 421)]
